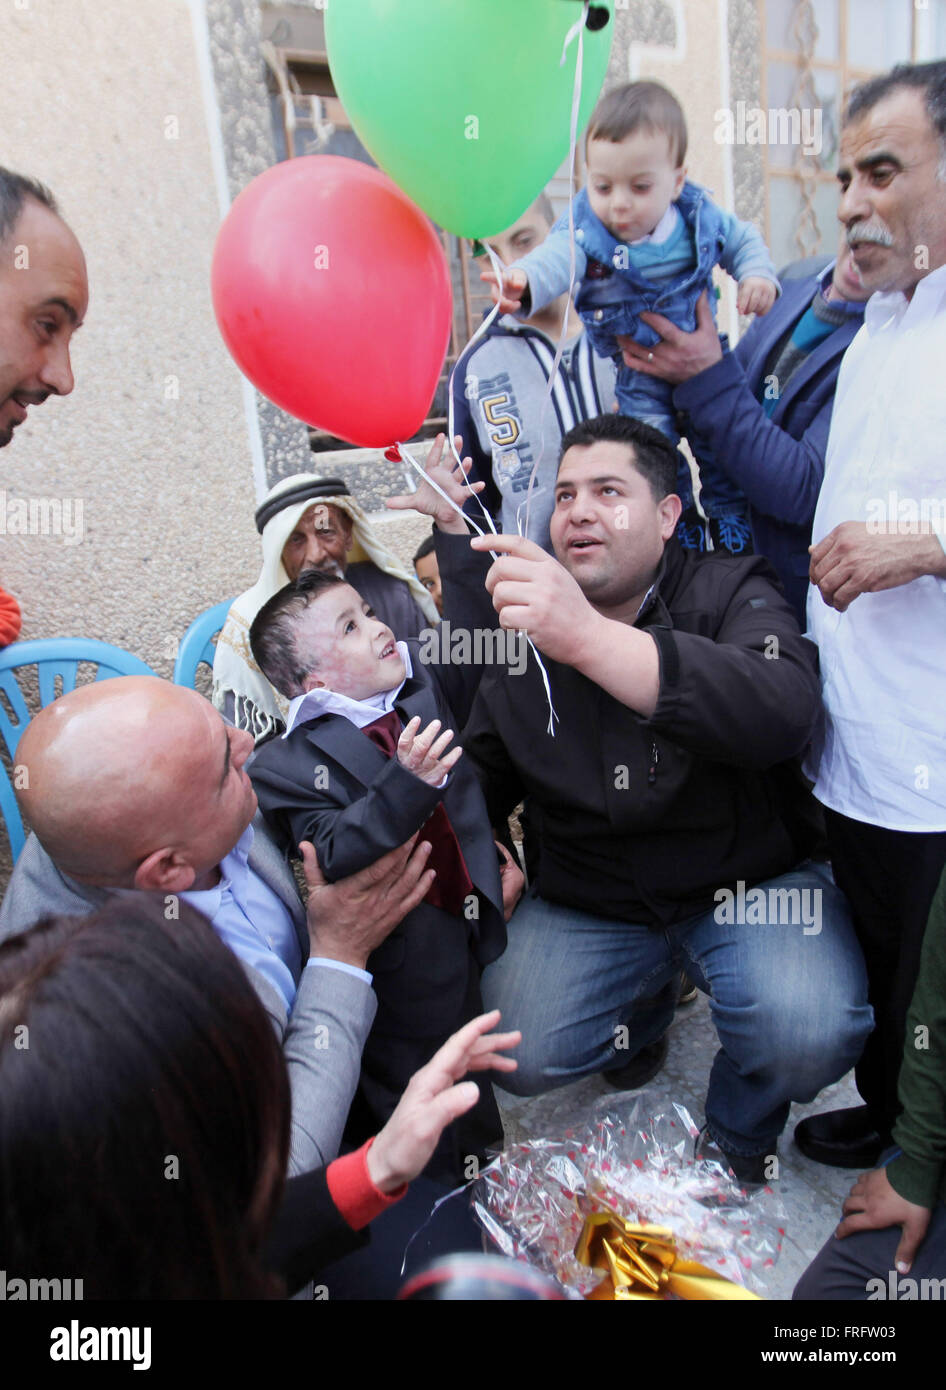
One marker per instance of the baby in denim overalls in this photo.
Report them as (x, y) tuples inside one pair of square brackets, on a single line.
[(647, 239)]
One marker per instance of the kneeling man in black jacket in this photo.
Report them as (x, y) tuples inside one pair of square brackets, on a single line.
[(672, 828)]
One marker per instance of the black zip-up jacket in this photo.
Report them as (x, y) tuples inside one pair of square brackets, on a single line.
[(643, 820)]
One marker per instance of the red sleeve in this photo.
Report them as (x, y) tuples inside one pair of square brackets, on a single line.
[(353, 1192)]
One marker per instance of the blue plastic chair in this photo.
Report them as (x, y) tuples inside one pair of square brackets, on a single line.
[(197, 644), (57, 657)]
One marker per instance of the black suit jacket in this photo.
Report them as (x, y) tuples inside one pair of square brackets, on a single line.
[(329, 783)]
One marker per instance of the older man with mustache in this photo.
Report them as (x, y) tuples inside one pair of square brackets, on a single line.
[(877, 606)]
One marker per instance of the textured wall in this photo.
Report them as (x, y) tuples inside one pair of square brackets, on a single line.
[(153, 442), (707, 53), (745, 69), (234, 33)]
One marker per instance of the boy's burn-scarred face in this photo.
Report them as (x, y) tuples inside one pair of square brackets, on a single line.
[(632, 182), (345, 648)]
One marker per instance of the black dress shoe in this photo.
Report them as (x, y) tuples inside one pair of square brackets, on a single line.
[(843, 1138), (750, 1170), (642, 1067)]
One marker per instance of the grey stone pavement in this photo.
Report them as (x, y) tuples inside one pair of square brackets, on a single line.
[(811, 1194)]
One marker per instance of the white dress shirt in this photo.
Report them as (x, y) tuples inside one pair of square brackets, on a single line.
[(883, 662), (361, 713)]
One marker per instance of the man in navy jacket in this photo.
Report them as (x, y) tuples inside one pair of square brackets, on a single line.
[(765, 408)]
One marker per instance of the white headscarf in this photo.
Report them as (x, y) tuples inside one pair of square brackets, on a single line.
[(256, 705)]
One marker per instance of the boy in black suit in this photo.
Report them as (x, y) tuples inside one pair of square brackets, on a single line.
[(364, 764)]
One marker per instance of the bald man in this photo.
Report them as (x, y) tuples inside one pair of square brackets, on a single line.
[(44, 294), (136, 785)]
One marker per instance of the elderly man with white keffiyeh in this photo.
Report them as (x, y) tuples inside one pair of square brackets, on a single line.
[(306, 523)]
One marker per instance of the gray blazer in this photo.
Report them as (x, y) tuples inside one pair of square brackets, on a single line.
[(322, 1037)]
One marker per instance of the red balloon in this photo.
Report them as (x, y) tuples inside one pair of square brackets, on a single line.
[(332, 292)]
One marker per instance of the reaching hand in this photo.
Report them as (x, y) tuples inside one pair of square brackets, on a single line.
[(450, 477), (679, 355), (532, 592), (515, 284), (432, 1101), (347, 920), (756, 295), (421, 755), (872, 1205)]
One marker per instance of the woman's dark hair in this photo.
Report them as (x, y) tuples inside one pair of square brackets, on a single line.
[(144, 1107)]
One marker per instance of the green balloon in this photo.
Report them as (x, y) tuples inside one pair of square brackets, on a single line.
[(463, 102)]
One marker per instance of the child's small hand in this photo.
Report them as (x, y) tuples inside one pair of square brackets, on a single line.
[(451, 479), (421, 755), (515, 284), (756, 296)]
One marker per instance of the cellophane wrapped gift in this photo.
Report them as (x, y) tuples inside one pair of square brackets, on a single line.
[(635, 1160)]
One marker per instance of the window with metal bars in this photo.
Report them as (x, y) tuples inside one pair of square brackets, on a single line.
[(814, 52), (308, 118)]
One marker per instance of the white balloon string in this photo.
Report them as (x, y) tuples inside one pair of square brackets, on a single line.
[(577, 30), (497, 270), (406, 454)]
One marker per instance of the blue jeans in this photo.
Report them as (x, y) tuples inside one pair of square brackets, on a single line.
[(650, 400), (789, 1004)]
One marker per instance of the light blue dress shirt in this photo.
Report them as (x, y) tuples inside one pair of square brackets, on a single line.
[(256, 924)]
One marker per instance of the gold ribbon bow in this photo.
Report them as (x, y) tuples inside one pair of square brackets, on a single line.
[(642, 1262)]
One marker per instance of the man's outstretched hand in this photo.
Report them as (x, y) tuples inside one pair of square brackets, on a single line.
[(433, 1100), (532, 592), (349, 919)]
